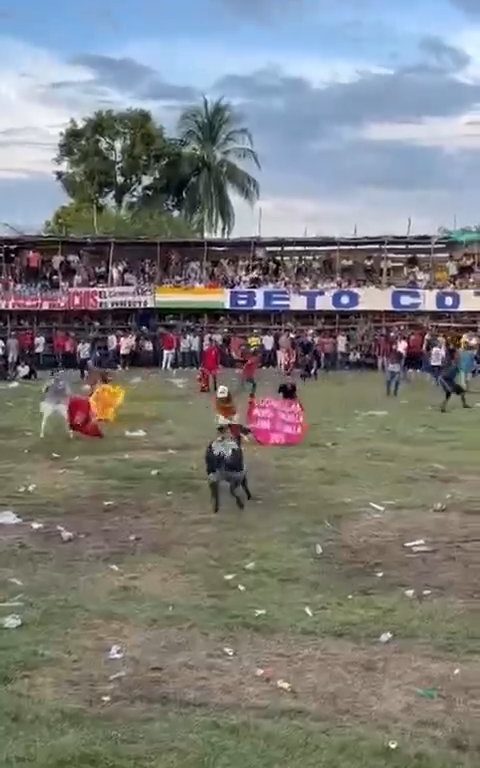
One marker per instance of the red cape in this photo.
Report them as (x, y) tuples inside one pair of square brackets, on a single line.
[(81, 419)]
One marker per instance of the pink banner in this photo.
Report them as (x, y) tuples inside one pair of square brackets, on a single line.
[(277, 422)]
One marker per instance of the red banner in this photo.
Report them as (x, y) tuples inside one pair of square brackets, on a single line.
[(277, 422), (76, 299)]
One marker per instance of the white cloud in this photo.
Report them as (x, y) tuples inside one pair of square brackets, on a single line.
[(201, 62), (373, 212), (448, 133)]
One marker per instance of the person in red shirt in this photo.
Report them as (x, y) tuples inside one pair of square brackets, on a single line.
[(211, 363), (169, 343), (415, 350), (25, 341), (329, 346), (59, 347), (70, 350), (248, 372)]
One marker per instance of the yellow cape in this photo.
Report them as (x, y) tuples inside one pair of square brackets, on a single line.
[(106, 400)]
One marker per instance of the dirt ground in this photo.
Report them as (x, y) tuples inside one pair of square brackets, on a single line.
[(451, 568)]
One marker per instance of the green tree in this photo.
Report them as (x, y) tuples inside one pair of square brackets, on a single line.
[(107, 158), (214, 145), (77, 219)]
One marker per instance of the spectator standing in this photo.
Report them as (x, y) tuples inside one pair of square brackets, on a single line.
[(452, 270), (124, 346), (284, 345), (83, 357), (268, 345), (437, 360), (194, 340), (169, 343), (329, 347), (342, 350), (112, 350), (211, 363), (33, 265), (59, 347), (13, 351), (185, 357), (70, 351), (39, 349), (132, 348)]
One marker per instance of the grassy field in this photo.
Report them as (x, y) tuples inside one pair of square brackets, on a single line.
[(146, 571)]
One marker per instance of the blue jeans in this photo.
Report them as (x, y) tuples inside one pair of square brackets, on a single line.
[(393, 382)]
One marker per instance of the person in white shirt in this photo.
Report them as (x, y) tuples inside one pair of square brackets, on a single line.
[(185, 359), (402, 348), (437, 359), (268, 345), (2, 348), (39, 349), (342, 357), (112, 348), (194, 341), (84, 351)]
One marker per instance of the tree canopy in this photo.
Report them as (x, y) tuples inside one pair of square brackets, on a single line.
[(124, 175)]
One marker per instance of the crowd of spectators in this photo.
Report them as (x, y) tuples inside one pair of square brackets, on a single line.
[(32, 271), (182, 347)]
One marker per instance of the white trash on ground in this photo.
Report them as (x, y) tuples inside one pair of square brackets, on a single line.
[(36, 526), (385, 638), (318, 549), (7, 517), (229, 652), (377, 507), (308, 611), (416, 543), (284, 685), (12, 622), (116, 652), (135, 433), (250, 566)]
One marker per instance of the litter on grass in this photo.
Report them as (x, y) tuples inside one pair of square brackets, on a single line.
[(135, 433), (12, 622), (416, 543), (308, 611), (116, 652), (229, 652), (117, 676), (7, 517), (385, 638)]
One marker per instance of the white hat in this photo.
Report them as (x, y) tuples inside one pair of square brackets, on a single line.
[(222, 391)]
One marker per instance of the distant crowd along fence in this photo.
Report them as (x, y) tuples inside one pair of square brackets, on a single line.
[(243, 300)]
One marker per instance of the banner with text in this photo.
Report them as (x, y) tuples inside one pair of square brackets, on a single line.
[(77, 299), (354, 300)]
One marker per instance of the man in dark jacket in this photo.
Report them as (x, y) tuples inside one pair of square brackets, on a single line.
[(224, 462)]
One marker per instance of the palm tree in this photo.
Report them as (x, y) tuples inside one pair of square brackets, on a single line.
[(213, 145)]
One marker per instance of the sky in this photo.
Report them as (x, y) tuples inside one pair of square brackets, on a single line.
[(364, 113)]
